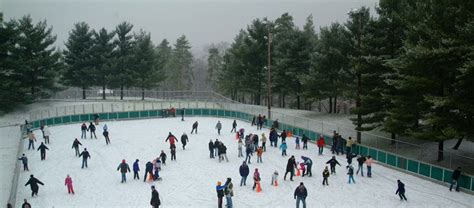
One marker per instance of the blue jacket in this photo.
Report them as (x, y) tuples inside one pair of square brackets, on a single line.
[(244, 170), (136, 168), (283, 146)]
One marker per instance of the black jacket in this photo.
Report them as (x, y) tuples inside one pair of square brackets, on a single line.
[(184, 138), (155, 199), (43, 148), (361, 160), (456, 174), (33, 182), (291, 164), (211, 145), (76, 144), (301, 192), (333, 162), (244, 170), (85, 154), (149, 167), (123, 167), (401, 188)]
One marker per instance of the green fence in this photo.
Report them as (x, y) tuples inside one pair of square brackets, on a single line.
[(396, 161)]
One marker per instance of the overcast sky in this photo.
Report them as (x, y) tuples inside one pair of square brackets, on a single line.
[(202, 21)]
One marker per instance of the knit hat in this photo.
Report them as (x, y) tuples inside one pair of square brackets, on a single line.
[(123, 161), (219, 183)]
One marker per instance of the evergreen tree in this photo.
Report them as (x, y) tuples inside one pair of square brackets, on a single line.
[(122, 58), (214, 64), (102, 57), (180, 73), (78, 58)]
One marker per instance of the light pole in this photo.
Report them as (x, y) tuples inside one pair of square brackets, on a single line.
[(269, 74)]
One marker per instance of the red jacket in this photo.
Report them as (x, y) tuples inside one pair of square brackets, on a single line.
[(321, 142)]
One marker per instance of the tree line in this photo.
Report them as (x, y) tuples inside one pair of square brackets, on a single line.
[(409, 68), (32, 67)]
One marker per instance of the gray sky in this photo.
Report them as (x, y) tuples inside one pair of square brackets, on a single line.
[(202, 21)]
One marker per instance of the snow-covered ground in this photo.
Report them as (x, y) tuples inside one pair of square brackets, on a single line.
[(190, 181)]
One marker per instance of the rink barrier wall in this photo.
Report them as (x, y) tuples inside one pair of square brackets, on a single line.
[(18, 165), (399, 162)]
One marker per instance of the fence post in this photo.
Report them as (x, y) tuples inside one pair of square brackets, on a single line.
[(102, 107)]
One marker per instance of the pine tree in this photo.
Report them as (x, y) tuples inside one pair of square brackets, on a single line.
[(122, 58), (180, 74), (78, 58), (214, 65), (102, 57)]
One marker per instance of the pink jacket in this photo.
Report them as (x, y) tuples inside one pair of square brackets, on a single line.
[(369, 162), (68, 181)]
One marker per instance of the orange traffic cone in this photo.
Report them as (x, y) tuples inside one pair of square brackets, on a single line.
[(298, 173), (276, 183), (259, 189)]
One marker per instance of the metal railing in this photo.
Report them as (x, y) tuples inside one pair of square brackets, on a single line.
[(16, 172)]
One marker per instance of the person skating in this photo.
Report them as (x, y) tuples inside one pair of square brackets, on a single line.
[(211, 149), (219, 127), (136, 169), (256, 178), (182, 114), (106, 136), (255, 141), (31, 140), (253, 121), (349, 144), (42, 148), (25, 204), (401, 191), (275, 124), (75, 146), (350, 173), (455, 179), (300, 195), (240, 146), (92, 128), (68, 184), (259, 155), (172, 139), (46, 134), (83, 131), (309, 163), (163, 157), (195, 128), (184, 140), (260, 121), (360, 162), (283, 148), (157, 167), (216, 147), (369, 162), (297, 142), (148, 170), (350, 156), (33, 182), (283, 136), (244, 171), (290, 168), (234, 127), (24, 160), (332, 163), (155, 198), (220, 193), (85, 155), (275, 178), (173, 153), (241, 133), (325, 176), (248, 152), (229, 192), (123, 168), (263, 139), (320, 144), (273, 138), (305, 139)]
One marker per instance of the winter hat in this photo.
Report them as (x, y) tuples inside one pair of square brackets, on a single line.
[(219, 183), (152, 187), (31, 176), (123, 161), (256, 169), (136, 160)]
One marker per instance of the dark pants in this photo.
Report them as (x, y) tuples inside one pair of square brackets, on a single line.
[(369, 171), (46, 139), (454, 182), (84, 163), (333, 169), (25, 167), (402, 196), (361, 169), (219, 202), (325, 181), (219, 131), (248, 157), (107, 140), (305, 145), (31, 144), (77, 151), (34, 192), (211, 151), (173, 156), (243, 181), (308, 170), (93, 133), (194, 130), (184, 146), (264, 147), (83, 134), (233, 130), (146, 174), (320, 150), (300, 199), (283, 153), (124, 178), (292, 173), (43, 155), (135, 175)]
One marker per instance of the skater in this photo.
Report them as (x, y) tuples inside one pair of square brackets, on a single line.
[(148, 170), (85, 155), (297, 142), (401, 191), (172, 140), (244, 172), (216, 148), (33, 182), (349, 144), (222, 150), (369, 162), (157, 167), (333, 162), (184, 140), (283, 136), (455, 179), (300, 195), (264, 141), (290, 168), (123, 168), (273, 138), (106, 136), (255, 141), (259, 154), (360, 162), (92, 129), (195, 128), (229, 192), (283, 148), (220, 193), (320, 144), (182, 114), (302, 168), (75, 146), (240, 146), (46, 134), (219, 127), (31, 140), (173, 153), (25, 204), (24, 160), (275, 124), (309, 163), (253, 122), (83, 130), (96, 119), (42, 148), (350, 156), (234, 127), (68, 184), (241, 133), (248, 152), (211, 148), (325, 176), (275, 178), (305, 139), (105, 128), (256, 179), (350, 173), (136, 168), (155, 198), (163, 157), (261, 121)]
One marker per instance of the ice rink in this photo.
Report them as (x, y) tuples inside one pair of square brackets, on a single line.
[(190, 181)]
